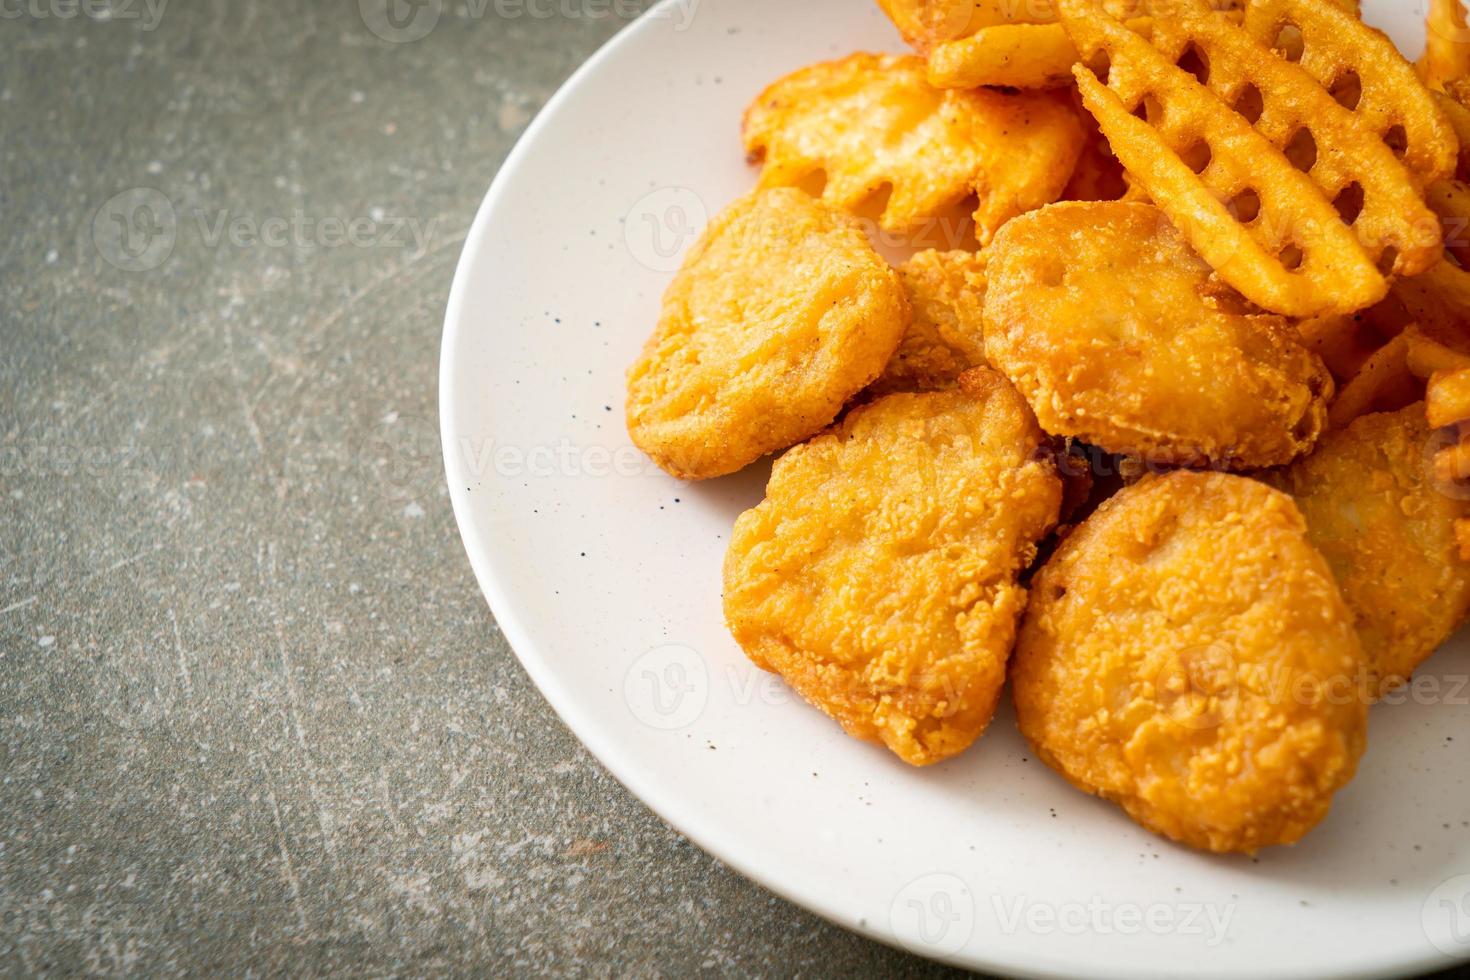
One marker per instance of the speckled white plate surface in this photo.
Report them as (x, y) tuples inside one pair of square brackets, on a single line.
[(605, 576)]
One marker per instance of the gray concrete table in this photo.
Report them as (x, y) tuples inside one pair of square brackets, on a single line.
[(254, 713)]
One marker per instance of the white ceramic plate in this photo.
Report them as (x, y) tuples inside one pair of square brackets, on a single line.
[(605, 576)]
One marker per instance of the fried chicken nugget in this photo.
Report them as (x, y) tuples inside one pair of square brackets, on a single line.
[(879, 575), (946, 337), (780, 314), (1117, 334), (873, 121), (1187, 654), (1387, 529)]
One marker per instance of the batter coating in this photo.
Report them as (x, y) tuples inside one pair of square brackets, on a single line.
[(1387, 530), (946, 337), (781, 313), (1117, 334), (879, 575), (1187, 654)]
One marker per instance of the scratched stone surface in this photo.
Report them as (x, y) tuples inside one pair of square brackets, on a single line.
[(254, 713)]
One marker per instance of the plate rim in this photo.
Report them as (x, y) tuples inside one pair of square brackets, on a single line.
[(667, 807)]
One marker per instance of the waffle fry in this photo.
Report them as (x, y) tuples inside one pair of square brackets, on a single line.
[(1459, 119), (1462, 535), (1446, 44), (1428, 356), (870, 121), (1448, 400), (1444, 363), (1027, 56), (1385, 384), (1452, 465), (1256, 219), (1010, 43), (1439, 300), (1450, 200), (1344, 54), (927, 23), (1370, 187), (1345, 343)]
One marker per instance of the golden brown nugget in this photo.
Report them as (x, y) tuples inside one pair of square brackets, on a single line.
[(1387, 529), (781, 313), (873, 122), (879, 575), (946, 337), (1117, 334), (1187, 654)]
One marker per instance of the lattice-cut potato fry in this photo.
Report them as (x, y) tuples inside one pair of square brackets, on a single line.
[(947, 335), (1439, 300), (1016, 55), (1429, 356), (1027, 56), (1452, 465), (1257, 220), (870, 122), (927, 23), (1345, 343), (1450, 199), (1371, 189), (1459, 118), (1361, 63), (1446, 44), (1385, 384), (1449, 398)]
